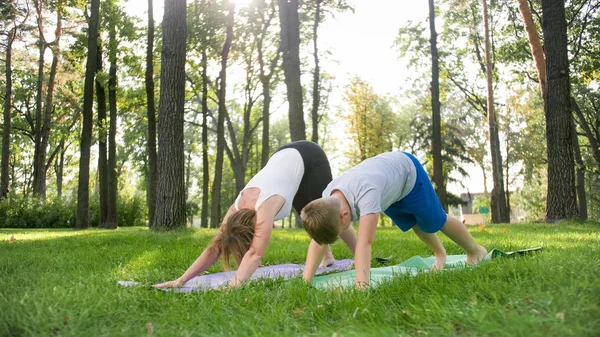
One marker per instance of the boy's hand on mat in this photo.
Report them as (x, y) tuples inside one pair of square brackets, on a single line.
[(171, 284)]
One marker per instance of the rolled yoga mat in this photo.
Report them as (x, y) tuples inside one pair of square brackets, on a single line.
[(213, 281), (412, 266)]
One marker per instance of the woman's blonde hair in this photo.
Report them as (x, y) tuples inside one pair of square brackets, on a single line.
[(235, 237)]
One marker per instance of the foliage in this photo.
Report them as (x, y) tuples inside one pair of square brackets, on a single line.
[(18, 211), (58, 285), (481, 201)]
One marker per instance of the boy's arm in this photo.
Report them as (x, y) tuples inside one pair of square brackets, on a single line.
[(362, 258), (313, 258), (253, 257), (348, 235)]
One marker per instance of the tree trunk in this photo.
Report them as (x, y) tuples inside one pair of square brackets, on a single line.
[(500, 212), (39, 188), (534, 42), (170, 196), (38, 163), (265, 80), (151, 115), (83, 191), (102, 149), (580, 170), (316, 77), (290, 47), (215, 215), (6, 131), (561, 201), (205, 163), (594, 144), (59, 168), (111, 214), (438, 165)]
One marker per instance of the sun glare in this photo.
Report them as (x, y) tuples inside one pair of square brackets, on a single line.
[(241, 3)]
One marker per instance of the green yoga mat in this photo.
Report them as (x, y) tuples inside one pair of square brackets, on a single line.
[(412, 266)]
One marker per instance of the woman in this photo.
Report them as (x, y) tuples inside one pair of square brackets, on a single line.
[(296, 174)]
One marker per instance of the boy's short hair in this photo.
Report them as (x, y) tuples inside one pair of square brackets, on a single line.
[(320, 219)]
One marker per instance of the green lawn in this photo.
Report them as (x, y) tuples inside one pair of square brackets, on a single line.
[(63, 283)]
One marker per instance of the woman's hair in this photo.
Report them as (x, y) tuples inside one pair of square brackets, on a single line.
[(235, 236)]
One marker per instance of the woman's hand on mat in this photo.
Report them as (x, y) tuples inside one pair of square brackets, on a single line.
[(171, 284)]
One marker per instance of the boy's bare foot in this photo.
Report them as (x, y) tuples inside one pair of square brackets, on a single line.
[(440, 262), (328, 260), (474, 258)]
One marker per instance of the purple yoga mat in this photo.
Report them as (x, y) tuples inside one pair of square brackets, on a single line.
[(212, 281)]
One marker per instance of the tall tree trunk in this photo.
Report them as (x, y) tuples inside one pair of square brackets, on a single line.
[(83, 191), (151, 115), (39, 188), (534, 42), (580, 174), (290, 47), (500, 212), (170, 196), (215, 215), (593, 140), (102, 149), (38, 163), (265, 80), (561, 201), (111, 209), (316, 76), (6, 131), (438, 165), (205, 163), (59, 168)]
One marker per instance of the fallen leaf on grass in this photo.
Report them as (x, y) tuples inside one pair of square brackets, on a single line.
[(560, 315), (150, 328), (528, 301), (298, 311), (66, 320), (504, 231), (482, 227), (12, 238)]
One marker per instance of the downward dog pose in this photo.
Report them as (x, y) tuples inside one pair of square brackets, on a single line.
[(392, 182), (296, 174)]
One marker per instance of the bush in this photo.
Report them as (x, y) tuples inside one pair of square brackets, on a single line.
[(19, 211), (29, 212)]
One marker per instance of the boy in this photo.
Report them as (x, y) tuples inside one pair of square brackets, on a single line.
[(392, 182)]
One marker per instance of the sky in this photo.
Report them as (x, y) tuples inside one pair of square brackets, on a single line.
[(361, 43)]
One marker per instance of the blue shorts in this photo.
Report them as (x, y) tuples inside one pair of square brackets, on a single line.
[(420, 207)]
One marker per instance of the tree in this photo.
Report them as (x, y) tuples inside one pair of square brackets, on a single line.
[(371, 121), (290, 47), (102, 149), (500, 211), (215, 214), (151, 115), (170, 196), (83, 217), (561, 201), (111, 177), (6, 131), (438, 178), (314, 113)]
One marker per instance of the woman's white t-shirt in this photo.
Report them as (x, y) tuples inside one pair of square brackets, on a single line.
[(281, 176)]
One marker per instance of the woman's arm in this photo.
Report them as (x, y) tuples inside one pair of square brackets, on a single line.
[(202, 263), (265, 216)]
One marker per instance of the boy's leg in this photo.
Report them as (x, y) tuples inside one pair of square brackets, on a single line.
[(433, 242), (328, 259), (457, 232)]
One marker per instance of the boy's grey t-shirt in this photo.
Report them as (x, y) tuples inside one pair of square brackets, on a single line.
[(376, 183)]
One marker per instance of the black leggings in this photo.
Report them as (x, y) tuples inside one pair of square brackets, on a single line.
[(317, 172)]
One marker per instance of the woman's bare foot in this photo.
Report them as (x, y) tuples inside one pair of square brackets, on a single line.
[(328, 259), (474, 258), (440, 262)]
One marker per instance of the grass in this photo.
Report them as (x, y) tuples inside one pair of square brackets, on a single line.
[(63, 283)]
